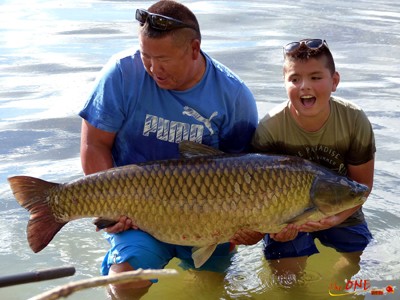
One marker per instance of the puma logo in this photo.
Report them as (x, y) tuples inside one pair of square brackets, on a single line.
[(188, 111)]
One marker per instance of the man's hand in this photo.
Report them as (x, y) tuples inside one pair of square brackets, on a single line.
[(124, 223), (288, 233), (246, 237)]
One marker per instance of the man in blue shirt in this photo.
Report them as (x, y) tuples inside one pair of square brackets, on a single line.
[(144, 103)]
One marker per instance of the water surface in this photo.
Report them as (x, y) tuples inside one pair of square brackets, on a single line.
[(51, 52)]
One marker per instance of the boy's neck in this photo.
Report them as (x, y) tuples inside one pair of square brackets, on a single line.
[(309, 123)]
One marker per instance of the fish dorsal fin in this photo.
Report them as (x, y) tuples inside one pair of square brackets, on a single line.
[(189, 149), (201, 254)]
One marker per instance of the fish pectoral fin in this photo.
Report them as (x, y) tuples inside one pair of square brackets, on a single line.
[(102, 223), (303, 216), (201, 254)]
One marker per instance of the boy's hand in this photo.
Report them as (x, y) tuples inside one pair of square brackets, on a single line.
[(322, 224), (328, 222), (246, 237), (288, 233)]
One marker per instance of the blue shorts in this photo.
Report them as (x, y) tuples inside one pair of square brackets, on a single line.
[(141, 250), (343, 239)]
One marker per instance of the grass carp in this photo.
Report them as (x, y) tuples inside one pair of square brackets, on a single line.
[(200, 200)]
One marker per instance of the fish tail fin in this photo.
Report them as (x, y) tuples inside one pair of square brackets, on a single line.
[(31, 193)]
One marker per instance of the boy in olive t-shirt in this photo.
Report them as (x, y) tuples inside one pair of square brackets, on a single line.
[(327, 130)]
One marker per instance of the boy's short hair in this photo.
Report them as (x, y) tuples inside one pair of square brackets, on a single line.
[(304, 53)]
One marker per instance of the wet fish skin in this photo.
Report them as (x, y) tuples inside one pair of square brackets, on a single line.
[(200, 201)]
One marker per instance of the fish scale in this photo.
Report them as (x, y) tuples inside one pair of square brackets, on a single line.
[(200, 201)]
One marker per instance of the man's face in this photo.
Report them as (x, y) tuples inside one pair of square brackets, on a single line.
[(169, 63)]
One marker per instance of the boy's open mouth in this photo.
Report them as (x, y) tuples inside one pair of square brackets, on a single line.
[(308, 101)]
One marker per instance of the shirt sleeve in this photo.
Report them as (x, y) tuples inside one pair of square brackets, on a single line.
[(267, 137), (103, 107), (362, 148), (243, 122)]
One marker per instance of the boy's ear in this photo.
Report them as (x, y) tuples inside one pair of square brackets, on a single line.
[(336, 80)]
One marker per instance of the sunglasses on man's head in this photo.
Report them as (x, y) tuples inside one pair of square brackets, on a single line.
[(312, 44), (159, 22)]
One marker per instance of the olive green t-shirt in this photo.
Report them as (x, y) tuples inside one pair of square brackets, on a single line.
[(346, 138)]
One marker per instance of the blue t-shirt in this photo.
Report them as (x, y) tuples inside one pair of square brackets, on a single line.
[(149, 122)]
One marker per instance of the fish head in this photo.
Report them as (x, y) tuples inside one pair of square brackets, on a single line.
[(332, 194)]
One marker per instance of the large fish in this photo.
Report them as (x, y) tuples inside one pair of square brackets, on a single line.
[(200, 200)]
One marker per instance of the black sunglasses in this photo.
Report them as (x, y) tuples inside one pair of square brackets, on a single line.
[(312, 44), (159, 22)]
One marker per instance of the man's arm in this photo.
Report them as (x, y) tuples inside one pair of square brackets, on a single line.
[(96, 146)]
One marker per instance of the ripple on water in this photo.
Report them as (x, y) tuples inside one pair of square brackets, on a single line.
[(250, 276)]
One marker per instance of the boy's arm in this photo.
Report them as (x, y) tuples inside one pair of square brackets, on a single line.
[(363, 173)]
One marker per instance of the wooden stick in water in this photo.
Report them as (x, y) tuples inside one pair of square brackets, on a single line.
[(68, 289), (34, 276)]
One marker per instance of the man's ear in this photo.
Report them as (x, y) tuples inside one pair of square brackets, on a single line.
[(195, 47)]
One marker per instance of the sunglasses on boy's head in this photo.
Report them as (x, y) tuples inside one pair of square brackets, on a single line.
[(159, 22), (312, 44)]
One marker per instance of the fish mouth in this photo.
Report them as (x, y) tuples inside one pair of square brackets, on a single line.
[(308, 100), (363, 199)]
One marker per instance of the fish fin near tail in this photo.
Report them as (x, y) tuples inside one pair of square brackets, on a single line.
[(201, 254), (31, 193), (102, 223), (189, 149)]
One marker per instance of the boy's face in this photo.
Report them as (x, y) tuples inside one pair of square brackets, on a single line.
[(309, 85)]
